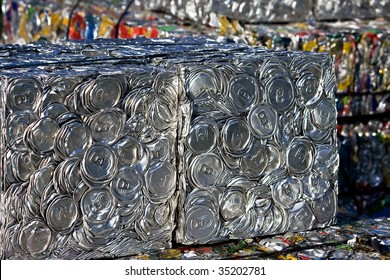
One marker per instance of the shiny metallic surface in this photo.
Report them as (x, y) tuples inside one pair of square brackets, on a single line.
[(99, 163), (280, 93), (233, 204), (195, 143), (17, 123), (85, 157), (262, 121), (324, 114), (244, 92), (268, 161), (107, 125), (72, 140), (129, 151), (126, 186), (287, 192), (62, 213), (236, 135), (314, 186), (97, 205), (301, 217), (160, 181), (275, 157), (316, 134), (23, 95), (203, 136), (106, 92), (40, 135), (299, 155), (35, 237), (347, 9), (326, 161), (254, 162), (324, 208), (201, 223), (205, 170), (308, 88)]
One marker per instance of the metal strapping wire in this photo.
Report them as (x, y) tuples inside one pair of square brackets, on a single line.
[(70, 18), (121, 17)]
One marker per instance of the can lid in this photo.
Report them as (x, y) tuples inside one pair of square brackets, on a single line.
[(97, 205), (54, 110), (233, 204), (160, 149), (106, 92), (17, 124), (62, 213), (99, 163), (40, 135), (309, 89), (281, 220), (203, 135), (236, 135), (35, 237), (64, 85), (129, 151), (161, 113), (255, 160), (23, 164), (301, 217), (202, 223), (202, 81), (280, 93), (202, 197), (274, 158), (285, 130), (206, 169), (324, 114), (160, 181), (299, 155), (313, 132), (314, 186), (326, 161), (23, 95), (72, 140), (262, 121), (324, 208), (126, 186), (244, 91), (287, 192), (107, 125)]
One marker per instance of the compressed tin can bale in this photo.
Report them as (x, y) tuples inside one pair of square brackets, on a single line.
[(360, 50), (243, 10), (351, 9), (219, 141), (251, 11), (88, 161), (259, 153), (195, 10)]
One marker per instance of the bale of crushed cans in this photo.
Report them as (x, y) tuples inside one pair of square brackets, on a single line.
[(87, 171), (260, 152), (250, 11), (360, 50), (351, 9), (247, 10), (116, 148), (265, 10)]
